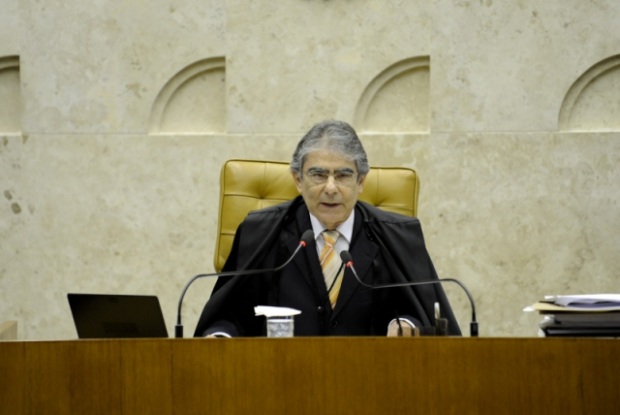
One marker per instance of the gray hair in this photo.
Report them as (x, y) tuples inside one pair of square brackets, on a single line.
[(336, 136)]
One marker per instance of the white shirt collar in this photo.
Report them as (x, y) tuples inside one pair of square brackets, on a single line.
[(345, 228)]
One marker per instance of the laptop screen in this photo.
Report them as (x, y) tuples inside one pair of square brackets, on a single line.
[(104, 316)]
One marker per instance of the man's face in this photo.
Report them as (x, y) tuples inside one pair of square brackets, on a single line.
[(330, 186)]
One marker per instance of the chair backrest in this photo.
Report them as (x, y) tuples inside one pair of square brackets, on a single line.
[(8, 330), (247, 185)]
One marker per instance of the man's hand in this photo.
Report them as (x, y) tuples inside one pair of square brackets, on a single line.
[(407, 330)]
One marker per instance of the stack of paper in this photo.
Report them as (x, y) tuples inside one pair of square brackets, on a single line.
[(591, 315)]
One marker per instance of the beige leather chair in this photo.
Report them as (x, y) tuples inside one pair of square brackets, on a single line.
[(8, 330), (247, 185)]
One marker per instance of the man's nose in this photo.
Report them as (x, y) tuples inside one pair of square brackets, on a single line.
[(330, 184)]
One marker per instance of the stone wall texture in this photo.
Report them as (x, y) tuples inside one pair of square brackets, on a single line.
[(116, 116)]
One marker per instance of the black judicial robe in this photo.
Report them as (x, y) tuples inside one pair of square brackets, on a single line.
[(386, 248)]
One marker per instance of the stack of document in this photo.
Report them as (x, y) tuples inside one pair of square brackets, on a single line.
[(588, 315)]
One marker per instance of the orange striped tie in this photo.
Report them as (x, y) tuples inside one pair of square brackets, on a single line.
[(330, 263)]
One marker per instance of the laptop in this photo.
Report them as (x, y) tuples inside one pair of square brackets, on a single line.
[(105, 316)]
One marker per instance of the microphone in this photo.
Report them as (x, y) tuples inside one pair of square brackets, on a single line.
[(306, 237), (473, 325)]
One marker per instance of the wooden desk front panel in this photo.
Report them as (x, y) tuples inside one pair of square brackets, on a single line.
[(310, 375)]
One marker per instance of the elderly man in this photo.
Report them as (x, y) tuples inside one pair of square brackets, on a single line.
[(329, 167)]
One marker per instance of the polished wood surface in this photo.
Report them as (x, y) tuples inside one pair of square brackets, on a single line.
[(311, 376)]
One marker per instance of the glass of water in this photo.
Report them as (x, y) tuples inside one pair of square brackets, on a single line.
[(280, 326)]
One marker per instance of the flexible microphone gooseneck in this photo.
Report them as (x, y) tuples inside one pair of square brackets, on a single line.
[(473, 326), (303, 242)]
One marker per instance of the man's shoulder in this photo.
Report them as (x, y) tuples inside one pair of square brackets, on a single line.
[(271, 215), (274, 211)]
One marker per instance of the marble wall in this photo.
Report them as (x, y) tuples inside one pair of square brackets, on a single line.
[(115, 117)]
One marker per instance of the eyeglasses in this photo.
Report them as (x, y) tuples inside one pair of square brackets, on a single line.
[(344, 176)]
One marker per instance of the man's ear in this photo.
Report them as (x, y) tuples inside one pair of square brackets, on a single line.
[(297, 180), (360, 183)]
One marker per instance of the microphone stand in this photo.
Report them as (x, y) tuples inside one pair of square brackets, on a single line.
[(473, 325), (178, 328)]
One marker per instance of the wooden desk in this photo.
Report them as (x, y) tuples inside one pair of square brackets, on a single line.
[(311, 376)]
